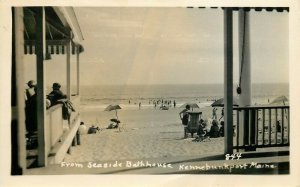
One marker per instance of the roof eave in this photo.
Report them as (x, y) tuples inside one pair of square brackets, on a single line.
[(69, 19)]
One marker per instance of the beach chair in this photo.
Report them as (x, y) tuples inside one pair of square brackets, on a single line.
[(193, 124), (122, 127)]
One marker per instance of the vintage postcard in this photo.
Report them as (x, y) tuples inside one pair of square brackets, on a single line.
[(164, 92)]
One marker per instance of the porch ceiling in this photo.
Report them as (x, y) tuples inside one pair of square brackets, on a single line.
[(57, 33), (55, 30)]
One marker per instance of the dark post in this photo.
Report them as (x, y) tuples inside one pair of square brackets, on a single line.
[(253, 124), (41, 109), (17, 133), (74, 143), (69, 150), (228, 80), (78, 69), (245, 124), (78, 137), (68, 59)]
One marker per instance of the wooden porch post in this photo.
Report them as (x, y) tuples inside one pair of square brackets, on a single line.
[(68, 69), (228, 81), (41, 107), (245, 75), (78, 70), (244, 58), (18, 165)]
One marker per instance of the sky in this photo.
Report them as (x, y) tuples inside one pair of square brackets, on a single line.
[(172, 46)]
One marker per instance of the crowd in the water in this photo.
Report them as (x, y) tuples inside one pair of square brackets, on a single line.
[(158, 103)]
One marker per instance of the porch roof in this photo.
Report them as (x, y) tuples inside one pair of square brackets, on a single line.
[(61, 27)]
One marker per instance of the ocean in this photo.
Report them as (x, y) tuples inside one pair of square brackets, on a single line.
[(129, 96)]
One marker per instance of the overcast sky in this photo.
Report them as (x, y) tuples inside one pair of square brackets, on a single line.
[(173, 46)]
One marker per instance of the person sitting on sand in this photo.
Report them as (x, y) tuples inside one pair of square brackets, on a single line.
[(207, 126), (201, 131), (93, 129), (113, 125), (214, 130)]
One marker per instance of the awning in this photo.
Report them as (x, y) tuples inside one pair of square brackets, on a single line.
[(53, 47), (268, 9)]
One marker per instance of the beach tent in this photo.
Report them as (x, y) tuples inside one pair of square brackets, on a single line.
[(192, 105), (280, 100), (220, 103)]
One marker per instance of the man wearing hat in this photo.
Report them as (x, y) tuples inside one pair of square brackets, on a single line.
[(30, 107), (31, 90), (56, 94)]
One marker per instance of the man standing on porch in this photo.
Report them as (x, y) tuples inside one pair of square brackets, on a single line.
[(56, 94)]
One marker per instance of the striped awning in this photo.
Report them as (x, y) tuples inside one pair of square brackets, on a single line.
[(53, 47), (258, 9)]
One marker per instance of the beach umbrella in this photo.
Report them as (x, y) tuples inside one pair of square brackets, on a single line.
[(192, 105), (220, 103), (113, 107), (281, 99)]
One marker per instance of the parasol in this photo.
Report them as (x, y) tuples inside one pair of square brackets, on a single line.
[(113, 107)]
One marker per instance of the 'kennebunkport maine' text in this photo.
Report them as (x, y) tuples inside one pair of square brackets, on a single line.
[(224, 166)]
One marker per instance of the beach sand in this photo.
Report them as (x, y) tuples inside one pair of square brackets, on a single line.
[(145, 134)]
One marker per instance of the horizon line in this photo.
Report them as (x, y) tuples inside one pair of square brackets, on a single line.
[(162, 84)]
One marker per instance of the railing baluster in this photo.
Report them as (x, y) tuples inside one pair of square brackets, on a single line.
[(263, 127), (288, 120), (248, 127), (269, 128), (282, 126), (237, 129), (256, 125), (276, 113), (251, 127)]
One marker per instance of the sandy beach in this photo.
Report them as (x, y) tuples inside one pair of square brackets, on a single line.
[(145, 134), (149, 135), (152, 142)]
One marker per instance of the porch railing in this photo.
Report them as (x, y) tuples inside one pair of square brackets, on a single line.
[(76, 104), (56, 126), (261, 126), (53, 126)]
